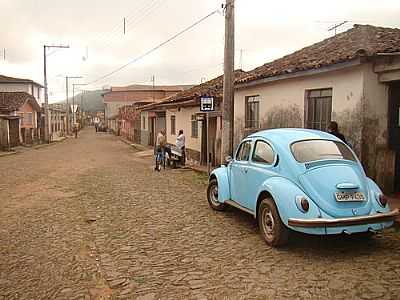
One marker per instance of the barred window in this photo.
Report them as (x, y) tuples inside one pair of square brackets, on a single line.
[(173, 125), (252, 111), (319, 108)]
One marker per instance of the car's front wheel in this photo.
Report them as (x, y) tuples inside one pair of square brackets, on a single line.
[(274, 232), (212, 196)]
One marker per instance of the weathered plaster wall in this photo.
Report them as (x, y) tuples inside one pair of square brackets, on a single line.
[(27, 108), (282, 102), (183, 121), (378, 159)]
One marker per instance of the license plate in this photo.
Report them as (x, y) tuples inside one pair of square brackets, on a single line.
[(349, 196)]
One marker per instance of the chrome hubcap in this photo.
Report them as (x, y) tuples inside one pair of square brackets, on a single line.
[(268, 223), (214, 195)]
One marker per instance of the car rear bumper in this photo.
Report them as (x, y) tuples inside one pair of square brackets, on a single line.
[(362, 220)]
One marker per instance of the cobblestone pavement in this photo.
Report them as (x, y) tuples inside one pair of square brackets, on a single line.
[(90, 219)]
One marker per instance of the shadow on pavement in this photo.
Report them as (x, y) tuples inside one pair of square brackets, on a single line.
[(326, 245)]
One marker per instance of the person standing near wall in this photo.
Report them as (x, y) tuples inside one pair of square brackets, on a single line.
[(333, 129), (180, 144)]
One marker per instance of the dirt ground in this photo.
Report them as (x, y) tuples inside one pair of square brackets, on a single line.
[(90, 219)]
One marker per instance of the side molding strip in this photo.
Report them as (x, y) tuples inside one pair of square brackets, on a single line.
[(234, 204)]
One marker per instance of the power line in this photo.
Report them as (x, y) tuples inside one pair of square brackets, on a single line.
[(132, 24), (155, 48), (116, 32)]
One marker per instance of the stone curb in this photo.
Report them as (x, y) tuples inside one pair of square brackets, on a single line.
[(3, 154)]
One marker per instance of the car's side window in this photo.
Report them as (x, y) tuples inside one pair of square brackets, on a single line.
[(263, 153), (244, 151)]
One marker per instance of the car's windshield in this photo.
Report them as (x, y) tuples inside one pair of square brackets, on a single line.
[(311, 150)]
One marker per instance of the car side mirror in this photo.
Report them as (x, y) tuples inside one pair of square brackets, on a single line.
[(228, 160)]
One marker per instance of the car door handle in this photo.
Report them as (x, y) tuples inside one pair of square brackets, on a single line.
[(245, 170)]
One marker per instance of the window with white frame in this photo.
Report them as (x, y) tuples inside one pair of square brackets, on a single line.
[(252, 112)]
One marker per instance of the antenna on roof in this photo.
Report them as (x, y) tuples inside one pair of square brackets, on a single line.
[(337, 26)]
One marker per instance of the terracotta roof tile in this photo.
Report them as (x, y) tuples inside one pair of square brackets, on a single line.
[(213, 88), (12, 101), (361, 40)]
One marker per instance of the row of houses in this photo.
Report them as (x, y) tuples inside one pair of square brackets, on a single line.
[(22, 115), (352, 78)]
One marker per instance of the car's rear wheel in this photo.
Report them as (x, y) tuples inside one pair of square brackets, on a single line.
[(274, 232), (212, 196)]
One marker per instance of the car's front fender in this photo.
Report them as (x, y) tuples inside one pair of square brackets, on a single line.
[(222, 176), (284, 193)]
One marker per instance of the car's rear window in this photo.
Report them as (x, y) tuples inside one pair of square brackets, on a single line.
[(312, 150)]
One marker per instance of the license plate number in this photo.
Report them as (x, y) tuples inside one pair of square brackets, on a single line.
[(349, 196)]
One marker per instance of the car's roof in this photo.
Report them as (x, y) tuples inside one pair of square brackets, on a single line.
[(290, 135)]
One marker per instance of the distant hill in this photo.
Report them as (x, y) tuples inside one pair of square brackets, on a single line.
[(92, 100)]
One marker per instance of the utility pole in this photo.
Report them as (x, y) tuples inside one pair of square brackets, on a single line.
[(153, 79), (66, 87), (46, 95), (241, 59), (229, 65)]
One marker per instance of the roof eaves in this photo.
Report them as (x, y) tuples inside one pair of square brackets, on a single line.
[(309, 72)]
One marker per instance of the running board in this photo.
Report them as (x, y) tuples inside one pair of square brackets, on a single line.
[(238, 206)]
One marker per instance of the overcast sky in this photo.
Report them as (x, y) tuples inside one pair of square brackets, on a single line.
[(93, 29)]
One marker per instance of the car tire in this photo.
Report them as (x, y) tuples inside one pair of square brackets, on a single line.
[(273, 231), (212, 196)]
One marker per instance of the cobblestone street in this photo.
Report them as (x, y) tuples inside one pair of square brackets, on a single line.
[(90, 219)]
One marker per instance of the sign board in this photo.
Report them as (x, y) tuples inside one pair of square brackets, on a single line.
[(207, 104)]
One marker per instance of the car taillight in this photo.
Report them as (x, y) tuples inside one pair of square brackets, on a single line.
[(383, 200)]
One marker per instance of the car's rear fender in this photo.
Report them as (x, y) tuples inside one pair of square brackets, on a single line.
[(284, 193), (222, 176)]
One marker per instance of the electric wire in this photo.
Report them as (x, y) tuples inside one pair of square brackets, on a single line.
[(155, 48)]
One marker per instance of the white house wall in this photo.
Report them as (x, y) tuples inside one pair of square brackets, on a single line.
[(16, 87), (183, 119), (282, 102)]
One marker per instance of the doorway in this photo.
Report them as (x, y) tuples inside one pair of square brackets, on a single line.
[(394, 128), (397, 174)]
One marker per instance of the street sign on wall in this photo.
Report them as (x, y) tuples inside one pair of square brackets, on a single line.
[(207, 104)]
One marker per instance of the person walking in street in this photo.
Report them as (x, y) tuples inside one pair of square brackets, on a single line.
[(333, 128), (75, 130), (161, 142), (180, 144)]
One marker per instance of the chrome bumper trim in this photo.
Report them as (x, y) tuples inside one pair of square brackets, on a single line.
[(362, 220)]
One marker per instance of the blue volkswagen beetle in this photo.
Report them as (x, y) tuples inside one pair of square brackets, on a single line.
[(302, 180)]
